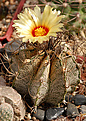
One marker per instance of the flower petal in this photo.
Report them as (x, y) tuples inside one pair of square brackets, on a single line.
[(35, 17), (37, 11), (30, 20), (46, 14)]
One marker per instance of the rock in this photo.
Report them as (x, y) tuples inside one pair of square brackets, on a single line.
[(10, 96), (4, 21), (1, 25), (83, 109), (72, 111), (12, 7), (40, 114), (68, 98), (79, 100), (11, 2), (0, 35), (12, 46), (8, 20), (2, 81), (84, 119), (53, 113), (7, 3)]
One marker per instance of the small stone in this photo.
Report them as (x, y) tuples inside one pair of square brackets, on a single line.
[(68, 98), (29, 116), (11, 2), (72, 111), (17, 112), (4, 28), (1, 25), (7, 3), (27, 2), (12, 7), (83, 109), (16, 2), (79, 100), (2, 81), (4, 21), (0, 33), (2, 100), (0, 45), (34, 118), (9, 17), (8, 20), (40, 114), (3, 33), (53, 113)]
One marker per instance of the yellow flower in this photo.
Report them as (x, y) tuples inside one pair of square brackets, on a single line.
[(35, 26)]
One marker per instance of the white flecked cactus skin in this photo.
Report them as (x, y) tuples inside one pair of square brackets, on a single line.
[(6, 112), (57, 83)]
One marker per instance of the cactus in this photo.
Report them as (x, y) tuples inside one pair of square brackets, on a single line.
[(45, 75), (6, 112), (62, 73), (75, 12)]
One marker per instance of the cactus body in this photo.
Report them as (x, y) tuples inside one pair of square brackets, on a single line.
[(6, 112)]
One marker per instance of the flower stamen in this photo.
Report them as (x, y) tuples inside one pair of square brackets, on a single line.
[(40, 31)]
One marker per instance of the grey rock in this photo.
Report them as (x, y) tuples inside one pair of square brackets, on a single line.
[(68, 98), (4, 21), (12, 7), (2, 81), (84, 119), (53, 113), (72, 111), (83, 109), (40, 114), (79, 100), (1, 25), (12, 46)]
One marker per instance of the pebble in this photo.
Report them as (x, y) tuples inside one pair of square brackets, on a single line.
[(53, 113), (9, 17), (16, 2), (29, 116), (84, 119), (79, 100), (7, 3), (0, 33), (0, 45), (68, 98), (2, 81), (40, 114), (12, 7), (72, 111), (8, 20), (4, 21), (4, 28), (1, 25), (83, 109), (11, 2)]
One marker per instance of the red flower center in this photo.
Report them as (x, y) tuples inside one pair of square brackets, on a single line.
[(40, 31)]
